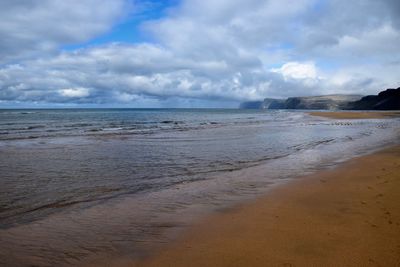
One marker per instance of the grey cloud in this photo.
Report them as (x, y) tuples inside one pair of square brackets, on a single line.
[(113, 70), (209, 25), (315, 29), (115, 73), (31, 27), (119, 73), (371, 25), (206, 51)]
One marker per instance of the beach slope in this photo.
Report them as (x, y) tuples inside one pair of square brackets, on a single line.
[(356, 114), (347, 216)]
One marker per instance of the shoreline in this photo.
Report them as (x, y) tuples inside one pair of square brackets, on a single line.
[(356, 114), (130, 231), (347, 216), (323, 229)]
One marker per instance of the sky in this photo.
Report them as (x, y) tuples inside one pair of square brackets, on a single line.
[(193, 53)]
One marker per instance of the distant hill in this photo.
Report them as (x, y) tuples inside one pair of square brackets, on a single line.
[(385, 100), (330, 102)]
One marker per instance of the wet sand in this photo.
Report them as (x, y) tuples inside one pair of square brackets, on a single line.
[(356, 114), (347, 216)]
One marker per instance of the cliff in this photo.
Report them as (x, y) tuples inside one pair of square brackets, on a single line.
[(330, 102), (385, 100), (311, 102)]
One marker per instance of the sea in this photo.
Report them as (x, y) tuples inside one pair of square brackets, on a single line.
[(86, 185)]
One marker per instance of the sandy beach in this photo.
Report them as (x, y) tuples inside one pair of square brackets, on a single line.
[(356, 114), (349, 216)]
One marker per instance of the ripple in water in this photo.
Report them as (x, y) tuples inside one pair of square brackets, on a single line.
[(95, 183)]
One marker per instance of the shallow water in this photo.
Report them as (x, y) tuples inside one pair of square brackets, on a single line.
[(79, 184)]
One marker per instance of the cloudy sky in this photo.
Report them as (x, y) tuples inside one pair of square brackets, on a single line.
[(193, 53)]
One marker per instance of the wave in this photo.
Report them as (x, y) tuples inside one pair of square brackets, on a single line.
[(58, 124)]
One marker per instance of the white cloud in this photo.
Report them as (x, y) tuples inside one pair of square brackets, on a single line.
[(297, 70), (203, 51), (75, 92)]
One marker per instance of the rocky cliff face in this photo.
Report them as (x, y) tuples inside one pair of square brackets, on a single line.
[(330, 102), (312, 102), (385, 100)]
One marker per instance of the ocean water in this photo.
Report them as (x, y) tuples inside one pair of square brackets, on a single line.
[(82, 184)]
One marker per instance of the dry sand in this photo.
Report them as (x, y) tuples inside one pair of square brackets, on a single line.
[(356, 114), (348, 216)]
